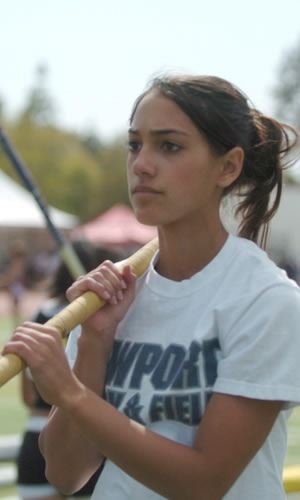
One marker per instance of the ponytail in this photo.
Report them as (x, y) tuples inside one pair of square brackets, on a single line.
[(260, 183)]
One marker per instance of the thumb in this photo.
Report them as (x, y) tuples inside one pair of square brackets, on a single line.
[(128, 276)]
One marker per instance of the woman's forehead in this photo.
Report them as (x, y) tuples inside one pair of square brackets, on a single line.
[(158, 111)]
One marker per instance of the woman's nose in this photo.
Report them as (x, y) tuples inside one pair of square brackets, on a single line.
[(143, 162)]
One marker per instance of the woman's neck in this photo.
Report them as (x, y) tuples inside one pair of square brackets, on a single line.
[(182, 255)]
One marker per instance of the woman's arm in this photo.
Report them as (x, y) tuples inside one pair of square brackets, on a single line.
[(231, 432), (71, 458)]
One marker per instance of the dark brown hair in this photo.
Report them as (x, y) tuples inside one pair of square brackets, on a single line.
[(227, 119), (89, 255)]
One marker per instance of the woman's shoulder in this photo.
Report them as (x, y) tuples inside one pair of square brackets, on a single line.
[(256, 268), (253, 282), (259, 303)]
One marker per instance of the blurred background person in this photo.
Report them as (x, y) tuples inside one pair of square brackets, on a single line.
[(13, 277)]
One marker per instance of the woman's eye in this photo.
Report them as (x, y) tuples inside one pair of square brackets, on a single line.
[(170, 147), (133, 146)]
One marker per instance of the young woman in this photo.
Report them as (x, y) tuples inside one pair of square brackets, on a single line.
[(184, 381)]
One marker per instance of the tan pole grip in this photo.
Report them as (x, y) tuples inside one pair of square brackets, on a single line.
[(79, 310)]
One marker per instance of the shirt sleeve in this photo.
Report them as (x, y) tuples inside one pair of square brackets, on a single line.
[(260, 352)]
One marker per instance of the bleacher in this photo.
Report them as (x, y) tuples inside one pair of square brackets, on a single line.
[(9, 446)]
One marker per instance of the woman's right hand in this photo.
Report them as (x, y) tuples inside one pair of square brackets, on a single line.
[(116, 287)]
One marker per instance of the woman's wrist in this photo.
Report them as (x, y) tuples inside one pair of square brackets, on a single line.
[(100, 341), (73, 399)]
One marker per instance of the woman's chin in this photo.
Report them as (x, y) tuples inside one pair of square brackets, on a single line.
[(146, 217), (147, 221)]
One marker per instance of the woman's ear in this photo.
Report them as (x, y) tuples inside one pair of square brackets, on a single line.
[(231, 167)]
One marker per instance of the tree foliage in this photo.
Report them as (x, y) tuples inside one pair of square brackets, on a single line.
[(39, 107), (287, 89), (74, 172)]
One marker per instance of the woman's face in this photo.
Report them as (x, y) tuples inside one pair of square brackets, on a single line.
[(172, 172)]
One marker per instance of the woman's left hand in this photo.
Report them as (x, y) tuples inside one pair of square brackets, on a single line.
[(41, 348)]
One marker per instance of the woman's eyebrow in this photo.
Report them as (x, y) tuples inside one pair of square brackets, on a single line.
[(163, 131)]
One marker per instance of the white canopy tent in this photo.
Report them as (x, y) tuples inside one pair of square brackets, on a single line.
[(18, 209)]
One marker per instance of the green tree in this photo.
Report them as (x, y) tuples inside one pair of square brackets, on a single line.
[(39, 106), (77, 173), (287, 89), (2, 110), (66, 174), (112, 161), (111, 158)]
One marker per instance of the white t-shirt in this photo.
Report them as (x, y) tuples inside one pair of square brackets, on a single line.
[(232, 328)]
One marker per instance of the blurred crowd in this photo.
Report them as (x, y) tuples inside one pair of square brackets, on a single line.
[(23, 270)]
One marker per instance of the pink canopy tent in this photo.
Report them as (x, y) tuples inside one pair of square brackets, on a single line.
[(117, 228)]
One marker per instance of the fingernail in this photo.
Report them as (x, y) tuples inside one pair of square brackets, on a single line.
[(123, 285)]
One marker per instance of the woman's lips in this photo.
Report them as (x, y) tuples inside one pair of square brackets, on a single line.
[(144, 190)]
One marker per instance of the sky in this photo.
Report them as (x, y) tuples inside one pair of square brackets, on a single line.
[(101, 53)]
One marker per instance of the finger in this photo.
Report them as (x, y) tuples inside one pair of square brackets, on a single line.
[(128, 275), (112, 272), (36, 335), (20, 348), (32, 351), (101, 288), (36, 329), (112, 283), (106, 281)]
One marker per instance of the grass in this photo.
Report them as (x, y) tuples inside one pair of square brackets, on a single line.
[(8, 493), (13, 413), (293, 455)]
